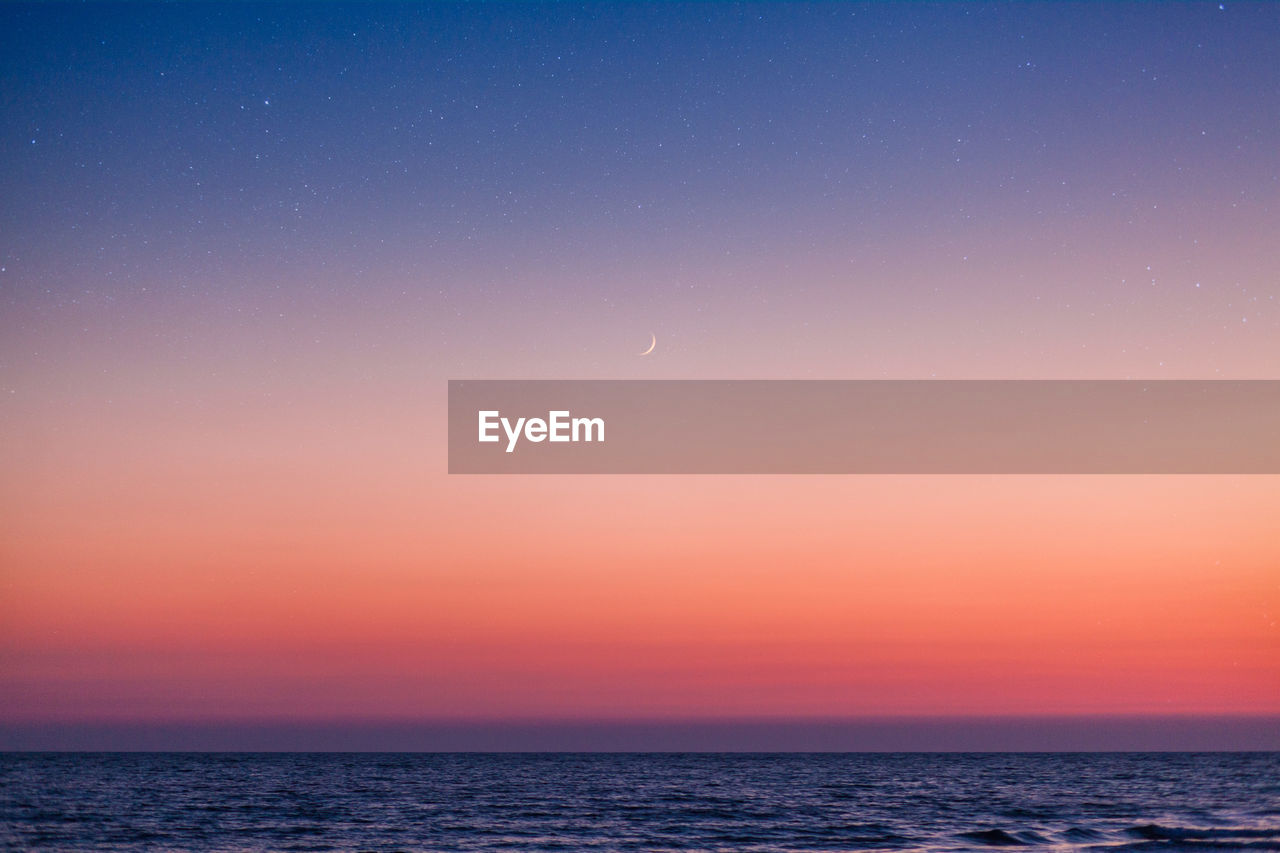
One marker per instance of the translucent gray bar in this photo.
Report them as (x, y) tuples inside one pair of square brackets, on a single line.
[(864, 427)]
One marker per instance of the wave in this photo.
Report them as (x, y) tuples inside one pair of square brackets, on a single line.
[(994, 838), (1150, 836), (1156, 832)]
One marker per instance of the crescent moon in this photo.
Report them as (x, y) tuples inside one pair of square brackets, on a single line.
[(652, 344)]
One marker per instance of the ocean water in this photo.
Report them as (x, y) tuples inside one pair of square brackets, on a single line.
[(638, 802)]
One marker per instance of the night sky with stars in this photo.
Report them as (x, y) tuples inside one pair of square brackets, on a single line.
[(243, 247)]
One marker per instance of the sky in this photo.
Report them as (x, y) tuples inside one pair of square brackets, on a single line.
[(243, 248)]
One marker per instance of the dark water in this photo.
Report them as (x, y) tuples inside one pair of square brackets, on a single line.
[(638, 802)]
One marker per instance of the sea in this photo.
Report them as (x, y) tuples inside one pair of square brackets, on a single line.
[(638, 802)]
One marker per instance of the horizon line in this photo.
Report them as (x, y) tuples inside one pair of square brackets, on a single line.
[(918, 734)]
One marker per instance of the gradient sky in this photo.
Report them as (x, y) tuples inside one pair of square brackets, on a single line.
[(242, 248)]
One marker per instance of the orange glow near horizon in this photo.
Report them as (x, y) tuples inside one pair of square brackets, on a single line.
[(643, 597)]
